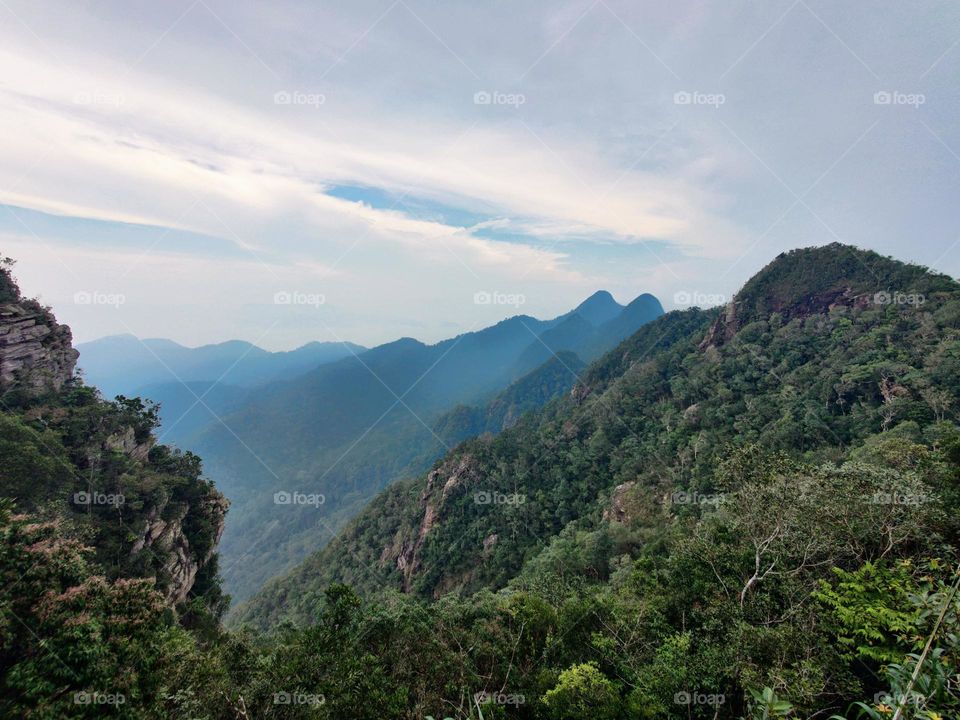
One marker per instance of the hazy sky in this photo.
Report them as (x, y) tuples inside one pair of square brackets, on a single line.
[(168, 169)]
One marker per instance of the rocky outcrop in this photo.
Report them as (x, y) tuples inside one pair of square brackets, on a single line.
[(165, 538), (740, 312), (723, 329), (126, 442), (36, 352), (618, 510), (405, 549)]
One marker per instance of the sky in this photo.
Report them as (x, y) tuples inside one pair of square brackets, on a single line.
[(283, 172)]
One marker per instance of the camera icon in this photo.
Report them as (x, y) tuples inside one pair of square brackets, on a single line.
[(282, 698), (482, 98), (81, 698), (682, 698), (282, 298), (82, 498), (483, 498), (282, 498), (282, 98), (682, 298), (882, 97), (482, 298), (83, 298), (680, 498), (881, 298), (682, 98)]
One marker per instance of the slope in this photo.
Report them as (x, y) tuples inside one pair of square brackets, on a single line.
[(810, 359), (347, 429)]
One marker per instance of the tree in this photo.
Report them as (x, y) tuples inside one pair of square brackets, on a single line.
[(582, 691)]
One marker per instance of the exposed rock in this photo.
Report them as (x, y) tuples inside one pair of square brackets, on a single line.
[(618, 510), (723, 329), (579, 393), (166, 538), (405, 551), (36, 352), (126, 443), (489, 542), (736, 315), (691, 416)]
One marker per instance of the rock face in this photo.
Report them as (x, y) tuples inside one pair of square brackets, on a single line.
[(404, 551), (166, 538), (181, 530), (618, 509), (737, 313), (126, 443), (36, 352)]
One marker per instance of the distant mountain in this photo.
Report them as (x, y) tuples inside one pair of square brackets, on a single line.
[(347, 429), (124, 364), (531, 392), (826, 355), (595, 326), (599, 308)]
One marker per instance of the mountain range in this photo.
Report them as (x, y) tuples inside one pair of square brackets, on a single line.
[(746, 512), (345, 422), (801, 361)]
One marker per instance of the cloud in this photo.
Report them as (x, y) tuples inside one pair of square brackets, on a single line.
[(132, 148)]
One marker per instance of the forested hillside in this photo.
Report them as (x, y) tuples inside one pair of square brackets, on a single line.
[(759, 497), (347, 429), (107, 540), (748, 512)]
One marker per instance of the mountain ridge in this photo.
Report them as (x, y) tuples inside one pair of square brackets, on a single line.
[(348, 428), (405, 538)]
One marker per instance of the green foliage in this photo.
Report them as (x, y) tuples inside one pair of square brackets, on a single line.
[(72, 643), (767, 705), (582, 691), (737, 517)]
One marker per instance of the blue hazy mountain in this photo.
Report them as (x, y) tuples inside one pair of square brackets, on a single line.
[(348, 428)]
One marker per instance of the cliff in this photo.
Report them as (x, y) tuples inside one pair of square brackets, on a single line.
[(36, 352), (93, 465)]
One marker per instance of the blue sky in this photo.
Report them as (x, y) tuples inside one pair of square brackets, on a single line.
[(394, 158)]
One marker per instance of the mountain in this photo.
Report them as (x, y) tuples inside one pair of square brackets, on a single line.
[(599, 308), (814, 355), (590, 338), (552, 379), (347, 429), (124, 364), (743, 513), (94, 466)]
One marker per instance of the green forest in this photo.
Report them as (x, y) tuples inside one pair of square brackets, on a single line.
[(744, 512)]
